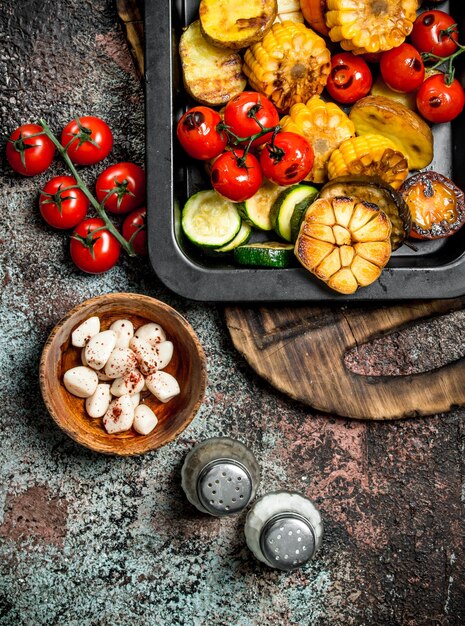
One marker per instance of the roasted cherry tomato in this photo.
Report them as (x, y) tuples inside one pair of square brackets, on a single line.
[(29, 155), (60, 206), (438, 102), (436, 204), (128, 182), (135, 223), (88, 140), (248, 113), (350, 78), (433, 31), (235, 177), (200, 135), (288, 159), (402, 68), (93, 248)]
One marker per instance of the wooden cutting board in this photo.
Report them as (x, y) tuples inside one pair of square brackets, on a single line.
[(301, 350)]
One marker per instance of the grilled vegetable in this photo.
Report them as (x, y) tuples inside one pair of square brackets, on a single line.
[(437, 205), (380, 88), (383, 116), (374, 191), (257, 209), (291, 64), (325, 126), (370, 155), (236, 24), (210, 220), (241, 238), (267, 254), (372, 25), (211, 75), (297, 197), (314, 12), (289, 10), (344, 242)]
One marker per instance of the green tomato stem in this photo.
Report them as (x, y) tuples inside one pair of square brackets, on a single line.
[(126, 245)]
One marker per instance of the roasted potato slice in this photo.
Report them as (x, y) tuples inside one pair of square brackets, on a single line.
[(406, 129), (236, 24), (212, 75)]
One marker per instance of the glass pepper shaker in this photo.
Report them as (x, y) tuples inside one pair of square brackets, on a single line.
[(220, 476), (284, 530)]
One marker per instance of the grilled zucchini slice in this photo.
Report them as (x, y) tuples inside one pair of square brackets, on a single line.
[(210, 220), (257, 209), (285, 205), (267, 254), (212, 75), (240, 239)]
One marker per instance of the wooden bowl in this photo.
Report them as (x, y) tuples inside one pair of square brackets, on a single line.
[(187, 366)]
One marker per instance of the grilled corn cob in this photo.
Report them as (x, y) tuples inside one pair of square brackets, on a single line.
[(369, 155), (372, 25), (325, 126), (344, 242), (291, 64)]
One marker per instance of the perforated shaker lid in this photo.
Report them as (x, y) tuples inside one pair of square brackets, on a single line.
[(224, 487), (287, 541)]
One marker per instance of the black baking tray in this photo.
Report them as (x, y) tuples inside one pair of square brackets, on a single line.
[(436, 270)]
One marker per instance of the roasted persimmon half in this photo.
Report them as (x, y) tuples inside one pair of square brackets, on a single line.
[(436, 204)]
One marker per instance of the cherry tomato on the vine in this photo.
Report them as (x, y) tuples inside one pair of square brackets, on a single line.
[(128, 182), (199, 133), (28, 155), (402, 68), (60, 206), (235, 177), (248, 113), (438, 102), (135, 223), (350, 78), (88, 140), (93, 248), (428, 33), (288, 159)]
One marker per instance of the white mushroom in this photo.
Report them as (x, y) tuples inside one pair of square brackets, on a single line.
[(135, 400), (124, 330), (163, 386), (120, 415), (97, 404), (145, 419), (130, 383), (153, 333), (85, 331), (81, 381), (146, 354), (165, 353), (120, 362), (99, 348)]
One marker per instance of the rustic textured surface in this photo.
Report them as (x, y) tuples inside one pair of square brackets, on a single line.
[(95, 541)]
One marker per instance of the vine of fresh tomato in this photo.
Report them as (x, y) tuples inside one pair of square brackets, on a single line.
[(87, 139), (135, 223), (439, 102), (350, 78), (93, 248), (288, 159), (402, 68), (249, 113), (127, 180), (60, 206), (199, 133), (29, 151), (434, 32), (236, 175)]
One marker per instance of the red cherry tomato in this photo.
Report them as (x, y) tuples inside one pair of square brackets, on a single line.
[(402, 68), (29, 155), (199, 135), (428, 33), (288, 160), (135, 223), (350, 78), (438, 102), (128, 180), (236, 178), (94, 249), (92, 141), (248, 112), (61, 207)]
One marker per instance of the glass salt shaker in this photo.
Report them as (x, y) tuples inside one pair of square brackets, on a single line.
[(220, 476), (284, 530)]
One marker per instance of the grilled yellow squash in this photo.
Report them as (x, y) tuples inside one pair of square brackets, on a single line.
[(289, 10), (236, 24), (211, 75), (406, 129), (344, 242), (370, 155), (291, 64), (325, 125), (370, 25)]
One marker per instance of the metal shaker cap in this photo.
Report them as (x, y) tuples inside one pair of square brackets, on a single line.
[(287, 541), (224, 487)]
